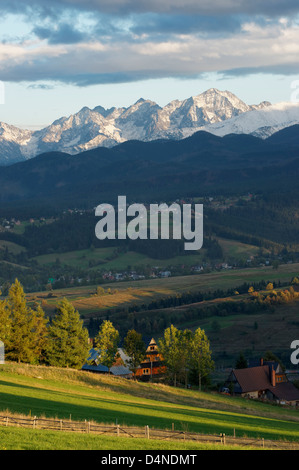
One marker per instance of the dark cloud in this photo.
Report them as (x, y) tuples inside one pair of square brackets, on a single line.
[(277, 69), (63, 34), (152, 39), (186, 24), (205, 7)]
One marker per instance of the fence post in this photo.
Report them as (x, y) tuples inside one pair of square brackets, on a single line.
[(172, 427), (148, 436), (61, 425), (263, 442), (117, 430), (34, 418), (224, 439), (6, 421)]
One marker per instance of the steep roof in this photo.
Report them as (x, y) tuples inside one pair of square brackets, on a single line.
[(253, 378), (285, 391), (258, 379)]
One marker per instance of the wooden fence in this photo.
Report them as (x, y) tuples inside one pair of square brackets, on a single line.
[(69, 425)]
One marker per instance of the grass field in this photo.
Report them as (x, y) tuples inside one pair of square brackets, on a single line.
[(233, 249), (23, 439), (65, 394), (11, 247), (106, 259)]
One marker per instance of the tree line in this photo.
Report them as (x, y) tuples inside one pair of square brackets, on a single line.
[(30, 337)]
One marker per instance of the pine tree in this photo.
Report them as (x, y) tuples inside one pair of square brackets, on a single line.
[(26, 334), (5, 322), (40, 331), (106, 342), (241, 362), (68, 344)]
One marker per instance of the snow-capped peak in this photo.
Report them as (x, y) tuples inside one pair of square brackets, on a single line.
[(216, 111)]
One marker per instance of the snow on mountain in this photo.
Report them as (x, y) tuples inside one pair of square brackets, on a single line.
[(261, 122), (218, 112)]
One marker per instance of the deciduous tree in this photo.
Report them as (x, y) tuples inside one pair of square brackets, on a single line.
[(106, 342)]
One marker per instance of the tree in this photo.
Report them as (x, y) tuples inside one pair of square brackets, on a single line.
[(170, 348), (185, 349), (241, 362), (269, 286), (68, 344), (39, 340), (270, 356), (201, 355), (135, 348), (106, 342), (27, 327), (5, 322)]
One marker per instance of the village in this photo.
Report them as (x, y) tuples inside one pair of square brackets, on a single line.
[(261, 380)]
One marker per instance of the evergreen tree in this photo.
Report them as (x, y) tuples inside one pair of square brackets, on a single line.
[(68, 344), (39, 340), (5, 322), (241, 362), (27, 327), (107, 342)]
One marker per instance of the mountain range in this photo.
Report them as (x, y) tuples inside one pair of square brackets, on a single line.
[(217, 112)]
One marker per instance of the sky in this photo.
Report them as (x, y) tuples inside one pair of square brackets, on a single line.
[(59, 56)]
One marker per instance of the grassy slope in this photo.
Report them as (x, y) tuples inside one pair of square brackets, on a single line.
[(60, 393)]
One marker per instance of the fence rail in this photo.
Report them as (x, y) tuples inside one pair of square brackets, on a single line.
[(66, 425)]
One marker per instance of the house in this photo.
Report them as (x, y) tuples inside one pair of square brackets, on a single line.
[(265, 381), (152, 366), (118, 369)]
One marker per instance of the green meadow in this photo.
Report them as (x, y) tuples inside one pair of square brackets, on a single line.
[(77, 395)]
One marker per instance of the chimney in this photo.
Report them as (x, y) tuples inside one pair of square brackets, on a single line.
[(262, 361), (272, 377)]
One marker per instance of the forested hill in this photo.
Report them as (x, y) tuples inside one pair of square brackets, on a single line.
[(161, 170)]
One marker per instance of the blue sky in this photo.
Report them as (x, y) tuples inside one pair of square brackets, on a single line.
[(57, 57)]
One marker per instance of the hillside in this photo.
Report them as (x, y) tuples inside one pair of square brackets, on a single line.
[(75, 395)]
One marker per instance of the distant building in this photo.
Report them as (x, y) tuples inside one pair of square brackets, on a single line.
[(165, 273), (118, 369), (265, 381), (152, 366)]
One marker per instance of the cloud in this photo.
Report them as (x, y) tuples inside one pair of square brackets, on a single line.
[(63, 34), (269, 8), (41, 86), (162, 24), (254, 49), (91, 42)]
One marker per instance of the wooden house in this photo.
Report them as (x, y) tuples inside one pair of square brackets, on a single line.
[(267, 381), (152, 366)]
